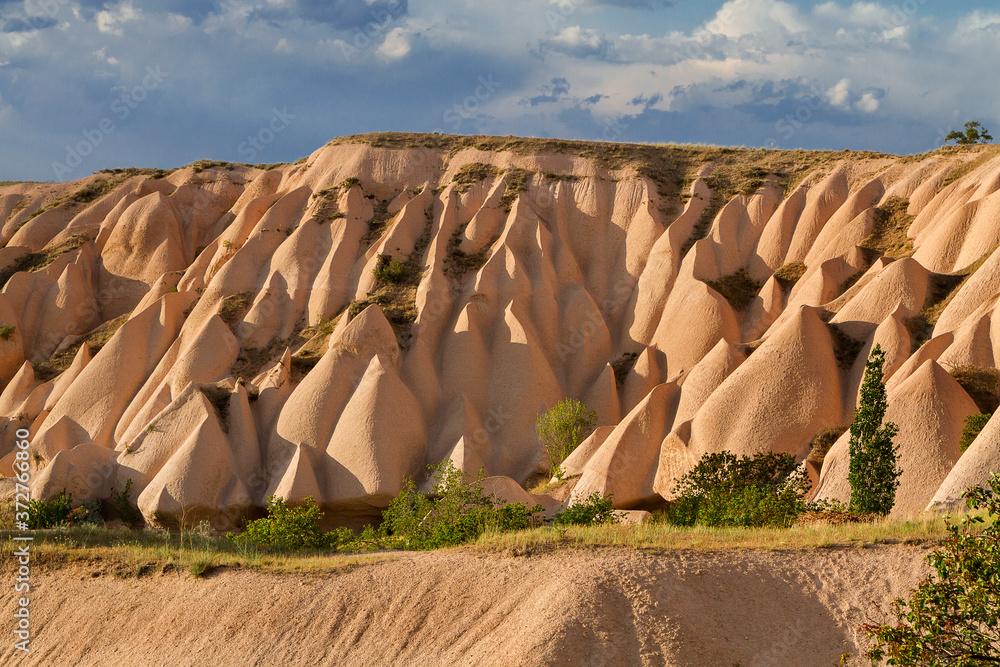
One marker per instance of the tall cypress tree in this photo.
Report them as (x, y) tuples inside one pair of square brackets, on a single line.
[(874, 469)]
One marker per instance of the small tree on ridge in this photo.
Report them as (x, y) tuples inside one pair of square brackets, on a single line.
[(563, 428), (974, 133), (874, 468)]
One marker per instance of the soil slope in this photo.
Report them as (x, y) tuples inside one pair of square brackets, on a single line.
[(604, 607)]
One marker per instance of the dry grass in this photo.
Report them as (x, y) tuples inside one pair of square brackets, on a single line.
[(739, 289), (470, 174), (234, 307), (36, 261), (927, 530), (789, 274), (985, 155), (821, 443), (889, 237), (845, 348), (124, 553), (97, 339), (981, 383)]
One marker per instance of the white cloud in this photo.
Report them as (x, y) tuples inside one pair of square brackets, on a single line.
[(840, 94), (868, 103), (396, 45), (112, 20)]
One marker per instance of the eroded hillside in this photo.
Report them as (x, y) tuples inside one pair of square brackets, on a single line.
[(220, 333)]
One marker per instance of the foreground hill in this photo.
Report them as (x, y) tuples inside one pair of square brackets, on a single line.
[(460, 607), (220, 333)]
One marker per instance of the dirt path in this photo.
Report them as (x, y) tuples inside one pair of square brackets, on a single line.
[(601, 607)]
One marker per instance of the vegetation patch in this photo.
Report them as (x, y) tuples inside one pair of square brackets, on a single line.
[(517, 182), (622, 366), (739, 289), (327, 209), (470, 174), (974, 425), (218, 395), (845, 348), (377, 225), (888, 238), (251, 360), (6, 331), (203, 165), (563, 428), (766, 489), (96, 339), (458, 263), (981, 383), (966, 168), (399, 305), (789, 274), (391, 271), (821, 443), (36, 261), (234, 308), (570, 178)]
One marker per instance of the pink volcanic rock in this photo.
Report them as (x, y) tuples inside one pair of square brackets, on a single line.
[(147, 242), (762, 312), (973, 469), (103, 390), (675, 460), (695, 319), (84, 472), (367, 459), (198, 482), (626, 462), (901, 287), (658, 275), (649, 370), (706, 377), (981, 287), (199, 354), (822, 201), (929, 407), (779, 398), (850, 225), (776, 238), (575, 463)]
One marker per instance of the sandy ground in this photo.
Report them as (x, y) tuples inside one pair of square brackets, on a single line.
[(580, 607)]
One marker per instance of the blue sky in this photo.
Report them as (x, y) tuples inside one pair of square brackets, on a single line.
[(87, 84)]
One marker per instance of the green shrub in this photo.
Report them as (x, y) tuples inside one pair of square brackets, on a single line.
[(563, 428), (49, 513), (952, 617), (873, 472), (739, 289), (974, 425), (390, 270), (89, 512), (595, 509), (6, 331), (290, 528), (459, 511), (766, 489), (974, 133), (127, 512)]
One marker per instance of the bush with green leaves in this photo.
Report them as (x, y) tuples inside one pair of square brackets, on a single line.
[(974, 133), (390, 270), (458, 511), (50, 513), (127, 512), (873, 471), (974, 425), (952, 619), (766, 489), (563, 428), (593, 510), (290, 528)]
